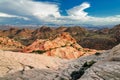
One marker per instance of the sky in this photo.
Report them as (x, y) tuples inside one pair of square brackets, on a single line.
[(92, 12)]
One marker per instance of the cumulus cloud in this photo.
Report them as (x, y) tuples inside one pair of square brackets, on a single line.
[(78, 12), (77, 15), (46, 12), (29, 8)]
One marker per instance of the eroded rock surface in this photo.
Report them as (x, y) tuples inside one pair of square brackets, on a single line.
[(11, 62), (9, 44), (63, 45), (100, 66), (107, 69), (104, 65)]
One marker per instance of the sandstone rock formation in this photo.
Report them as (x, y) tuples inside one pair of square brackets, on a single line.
[(104, 65), (94, 39), (76, 31), (10, 32), (16, 32), (106, 69), (59, 40), (43, 32), (9, 44), (24, 33), (62, 45), (11, 62), (98, 43), (61, 29)]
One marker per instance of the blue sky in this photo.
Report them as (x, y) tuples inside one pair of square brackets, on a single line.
[(94, 12), (100, 8)]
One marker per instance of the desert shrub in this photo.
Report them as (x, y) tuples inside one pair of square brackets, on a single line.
[(39, 51), (97, 53), (88, 64), (79, 49)]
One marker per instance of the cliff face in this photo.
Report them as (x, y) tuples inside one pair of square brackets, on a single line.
[(61, 45)]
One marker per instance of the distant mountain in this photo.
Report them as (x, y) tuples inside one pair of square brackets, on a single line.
[(104, 38), (32, 26)]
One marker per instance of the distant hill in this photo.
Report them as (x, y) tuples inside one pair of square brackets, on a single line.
[(104, 38)]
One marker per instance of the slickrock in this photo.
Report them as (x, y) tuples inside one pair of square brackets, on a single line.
[(63, 45), (104, 65), (9, 44), (11, 62), (106, 69), (65, 52)]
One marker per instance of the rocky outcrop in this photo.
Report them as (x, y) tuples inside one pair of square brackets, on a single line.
[(103, 31), (12, 62), (76, 31), (61, 29), (94, 39), (43, 32), (24, 33), (62, 45), (58, 41), (43, 29), (9, 44), (98, 43), (10, 32), (117, 35), (115, 31), (106, 69), (103, 65), (65, 52)]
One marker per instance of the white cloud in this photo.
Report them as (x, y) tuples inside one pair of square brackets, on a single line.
[(78, 12), (42, 11), (6, 15), (104, 20), (45, 10), (50, 13), (77, 15), (12, 16), (30, 7)]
